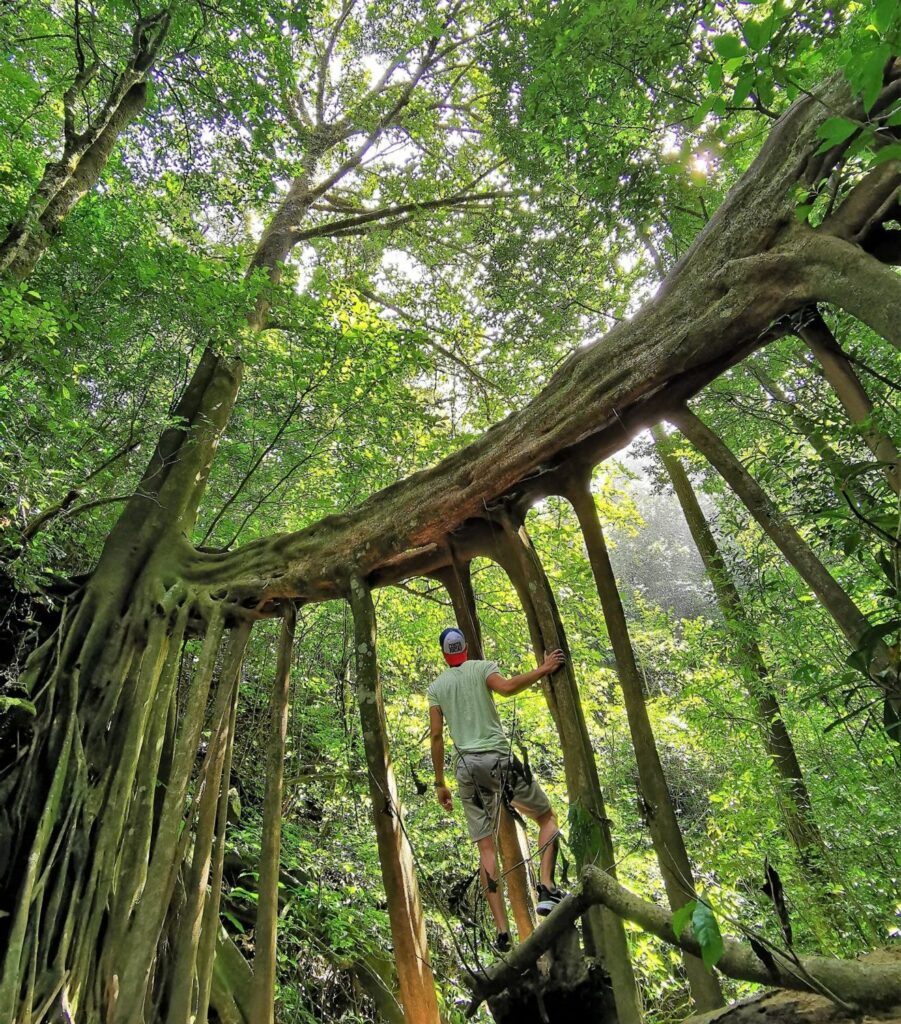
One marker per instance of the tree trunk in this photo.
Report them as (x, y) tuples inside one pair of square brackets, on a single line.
[(855, 401), (265, 933), (85, 153), (514, 846), (843, 610), (417, 986), (589, 824), (104, 686), (791, 789), (194, 940), (232, 986), (669, 846)]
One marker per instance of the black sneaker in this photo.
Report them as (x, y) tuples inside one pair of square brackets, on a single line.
[(548, 899), (502, 943)]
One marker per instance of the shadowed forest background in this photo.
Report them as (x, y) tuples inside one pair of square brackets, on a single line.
[(262, 261)]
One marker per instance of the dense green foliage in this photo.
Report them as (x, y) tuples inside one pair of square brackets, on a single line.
[(598, 139)]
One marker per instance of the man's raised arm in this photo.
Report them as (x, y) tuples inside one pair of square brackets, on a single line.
[(508, 687)]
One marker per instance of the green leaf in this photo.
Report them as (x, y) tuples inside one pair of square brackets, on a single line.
[(884, 14), (682, 916), (834, 131), (18, 702), (728, 45), (892, 152), (707, 932), (743, 88), (715, 76), (866, 73), (759, 33)]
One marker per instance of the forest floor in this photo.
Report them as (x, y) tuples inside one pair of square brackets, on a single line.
[(779, 1006)]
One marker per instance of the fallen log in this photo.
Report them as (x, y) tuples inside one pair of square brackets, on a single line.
[(864, 986)]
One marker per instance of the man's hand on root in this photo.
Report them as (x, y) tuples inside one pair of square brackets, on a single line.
[(444, 797)]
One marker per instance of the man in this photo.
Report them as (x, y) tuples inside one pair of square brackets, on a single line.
[(462, 695)]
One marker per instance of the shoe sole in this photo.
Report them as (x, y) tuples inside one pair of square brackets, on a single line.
[(543, 909)]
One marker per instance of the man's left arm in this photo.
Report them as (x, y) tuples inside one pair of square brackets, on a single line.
[(513, 685), (436, 736)]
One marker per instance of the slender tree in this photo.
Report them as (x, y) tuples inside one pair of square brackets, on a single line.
[(587, 810), (666, 835), (417, 986), (852, 622), (266, 931), (90, 131), (792, 789), (850, 392)]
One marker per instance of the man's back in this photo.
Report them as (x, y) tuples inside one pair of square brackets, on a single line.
[(468, 706)]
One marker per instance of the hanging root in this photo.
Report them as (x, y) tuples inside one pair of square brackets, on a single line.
[(103, 813)]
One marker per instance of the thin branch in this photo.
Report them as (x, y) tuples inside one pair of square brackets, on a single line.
[(334, 227)]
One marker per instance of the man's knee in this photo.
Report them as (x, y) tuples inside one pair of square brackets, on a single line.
[(546, 818), (487, 851)]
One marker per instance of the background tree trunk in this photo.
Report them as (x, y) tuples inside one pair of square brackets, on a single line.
[(266, 933), (588, 815), (850, 392), (669, 846), (417, 986), (797, 552), (791, 788)]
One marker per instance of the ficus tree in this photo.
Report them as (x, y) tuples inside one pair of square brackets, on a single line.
[(115, 794)]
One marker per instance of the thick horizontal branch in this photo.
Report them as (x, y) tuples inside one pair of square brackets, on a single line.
[(865, 986), (732, 291)]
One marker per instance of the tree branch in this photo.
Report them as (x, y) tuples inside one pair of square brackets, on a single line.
[(401, 209)]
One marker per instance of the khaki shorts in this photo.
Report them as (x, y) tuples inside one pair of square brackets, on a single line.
[(480, 779)]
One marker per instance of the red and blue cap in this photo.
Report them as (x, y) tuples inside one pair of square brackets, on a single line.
[(453, 645)]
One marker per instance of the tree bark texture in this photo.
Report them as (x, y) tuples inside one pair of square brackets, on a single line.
[(104, 687), (417, 986), (512, 843), (666, 835), (791, 789), (844, 611), (850, 392), (264, 958), (605, 931)]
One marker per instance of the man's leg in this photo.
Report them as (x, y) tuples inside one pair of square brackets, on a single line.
[(548, 841), (492, 882)]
